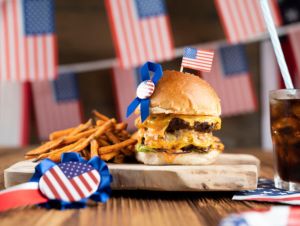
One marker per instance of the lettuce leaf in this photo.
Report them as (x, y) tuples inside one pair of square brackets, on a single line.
[(143, 148)]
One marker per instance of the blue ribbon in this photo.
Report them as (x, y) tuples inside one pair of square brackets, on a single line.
[(102, 193), (145, 103)]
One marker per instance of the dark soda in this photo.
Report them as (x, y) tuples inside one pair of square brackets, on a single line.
[(285, 130)]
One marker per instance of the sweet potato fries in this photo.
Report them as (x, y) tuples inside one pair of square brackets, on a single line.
[(102, 137)]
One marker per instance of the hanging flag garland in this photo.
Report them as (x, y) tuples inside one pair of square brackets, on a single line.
[(65, 185), (145, 89)]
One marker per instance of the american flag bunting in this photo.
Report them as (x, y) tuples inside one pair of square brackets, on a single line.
[(50, 114), (243, 20), (141, 31), (231, 79), (197, 59), (27, 40)]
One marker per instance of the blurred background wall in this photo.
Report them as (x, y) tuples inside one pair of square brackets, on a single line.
[(84, 35)]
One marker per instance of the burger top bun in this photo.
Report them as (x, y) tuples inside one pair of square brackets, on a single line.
[(184, 93)]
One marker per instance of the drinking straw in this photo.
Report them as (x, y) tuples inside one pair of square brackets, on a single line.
[(276, 44)]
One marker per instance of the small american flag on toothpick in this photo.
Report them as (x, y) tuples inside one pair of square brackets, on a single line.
[(197, 59)]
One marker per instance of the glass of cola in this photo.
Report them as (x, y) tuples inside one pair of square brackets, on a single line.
[(285, 131)]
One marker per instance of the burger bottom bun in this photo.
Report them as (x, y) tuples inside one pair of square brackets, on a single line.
[(159, 158)]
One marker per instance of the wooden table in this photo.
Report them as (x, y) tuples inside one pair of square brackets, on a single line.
[(141, 208)]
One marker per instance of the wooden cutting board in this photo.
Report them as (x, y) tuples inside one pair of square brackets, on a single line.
[(231, 172)]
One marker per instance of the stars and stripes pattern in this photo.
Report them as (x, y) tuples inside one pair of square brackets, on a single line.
[(141, 31), (197, 59), (243, 20), (27, 40), (275, 215), (50, 114), (267, 192), (70, 181), (231, 79), (125, 93), (14, 112)]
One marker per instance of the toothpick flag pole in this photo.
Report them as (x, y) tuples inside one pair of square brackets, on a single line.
[(276, 44)]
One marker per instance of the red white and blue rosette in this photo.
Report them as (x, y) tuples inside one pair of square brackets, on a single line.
[(68, 184)]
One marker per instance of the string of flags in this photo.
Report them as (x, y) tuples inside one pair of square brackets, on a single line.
[(141, 32)]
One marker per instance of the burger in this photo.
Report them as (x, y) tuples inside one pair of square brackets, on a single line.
[(184, 111)]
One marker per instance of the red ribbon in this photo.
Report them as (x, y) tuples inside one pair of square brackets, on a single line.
[(21, 195)]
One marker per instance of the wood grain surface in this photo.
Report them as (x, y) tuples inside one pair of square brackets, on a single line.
[(137, 207), (231, 172)]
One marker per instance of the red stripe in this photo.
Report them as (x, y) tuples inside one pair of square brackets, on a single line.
[(153, 44), (128, 51), (224, 22), (6, 45), (16, 42), (131, 22), (35, 57), (55, 55), (61, 183), (92, 176), (21, 198), (250, 19), (259, 15), (159, 43), (196, 63), (45, 55), (77, 188), (86, 184), (51, 187), (198, 68), (113, 29), (244, 20)]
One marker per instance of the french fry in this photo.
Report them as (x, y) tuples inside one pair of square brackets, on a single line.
[(112, 138), (103, 136), (81, 127), (103, 142), (94, 148), (45, 148), (116, 147), (101, 130), (100, 116), (120, 126), (60, 150), (60, 133), (71, 139), (53, 144), (100, 122), (109, 156)]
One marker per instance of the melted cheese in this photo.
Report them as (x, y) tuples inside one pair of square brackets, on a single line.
[(160, 122), (178, 140)]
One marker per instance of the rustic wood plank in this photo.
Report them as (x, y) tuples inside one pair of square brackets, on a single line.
[(135, 208), (231, 172)]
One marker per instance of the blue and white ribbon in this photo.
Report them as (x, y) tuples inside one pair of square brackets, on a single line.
[(145, 89)]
